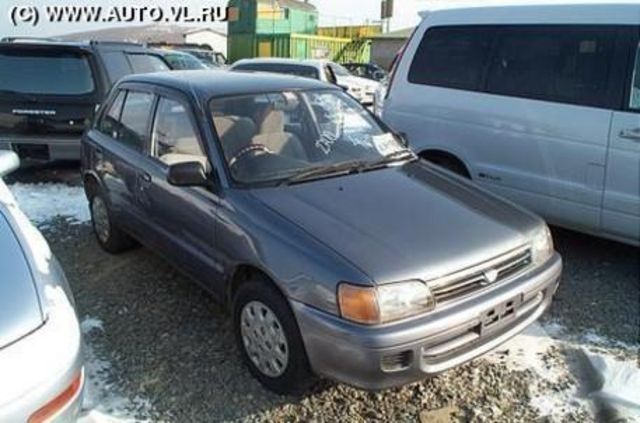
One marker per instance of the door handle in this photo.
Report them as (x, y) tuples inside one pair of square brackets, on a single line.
[(631, 134)]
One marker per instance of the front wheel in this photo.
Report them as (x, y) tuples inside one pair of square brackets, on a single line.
[(269, 339)]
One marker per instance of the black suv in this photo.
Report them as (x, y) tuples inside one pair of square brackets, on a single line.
[(49, 90)]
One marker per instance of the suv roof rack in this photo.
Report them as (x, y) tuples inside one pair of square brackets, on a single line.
[(180, 45), (115, 43), (29, 39)]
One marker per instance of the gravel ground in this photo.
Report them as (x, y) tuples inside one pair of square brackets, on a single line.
[(168, 342)]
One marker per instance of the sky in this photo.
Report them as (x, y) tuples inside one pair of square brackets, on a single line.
[(332, 12)]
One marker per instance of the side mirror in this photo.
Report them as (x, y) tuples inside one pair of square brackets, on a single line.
[(188, 174), (9, 161)]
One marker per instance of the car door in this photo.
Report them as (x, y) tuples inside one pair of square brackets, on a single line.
[(621, 205), (120, 140), (182, 219)]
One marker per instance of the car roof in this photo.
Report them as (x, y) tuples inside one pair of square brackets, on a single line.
[(282, 61), (536, 12), (216, 83), (38, 43)]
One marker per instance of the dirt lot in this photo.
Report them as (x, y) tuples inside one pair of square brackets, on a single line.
[(159, 348)]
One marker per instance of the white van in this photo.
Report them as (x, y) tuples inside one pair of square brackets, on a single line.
[(539, 103)]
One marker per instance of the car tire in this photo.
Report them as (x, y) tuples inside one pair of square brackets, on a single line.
[(291, 377), (111, 238)]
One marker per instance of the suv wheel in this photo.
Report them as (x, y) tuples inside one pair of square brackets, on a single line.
[(269, 339), (110, 237)]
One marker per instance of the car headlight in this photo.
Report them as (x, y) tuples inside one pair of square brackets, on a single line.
[(385, 303), (541, 245)]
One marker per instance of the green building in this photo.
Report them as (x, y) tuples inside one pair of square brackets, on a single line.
[(285, 28)]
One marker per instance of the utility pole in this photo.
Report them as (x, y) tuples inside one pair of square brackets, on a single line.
[(386, 13)]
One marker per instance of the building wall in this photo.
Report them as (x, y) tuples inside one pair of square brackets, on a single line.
[(383, 50), (218, 42)]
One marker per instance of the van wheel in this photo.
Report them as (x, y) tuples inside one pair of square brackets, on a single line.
[(268, 338), (450, 163), (111, 238)]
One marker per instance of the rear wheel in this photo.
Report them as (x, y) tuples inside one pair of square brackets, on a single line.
[(111, 238), (269, 339)]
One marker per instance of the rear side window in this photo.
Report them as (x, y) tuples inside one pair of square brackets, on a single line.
[(110, 122), (116, 64), (145, 63), (560, 64), (50, 72), (452, 57), (135, 119)]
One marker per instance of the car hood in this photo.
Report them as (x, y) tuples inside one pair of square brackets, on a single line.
[(406, 222), (20, 311)]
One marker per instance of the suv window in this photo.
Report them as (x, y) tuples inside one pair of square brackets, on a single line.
[(53, 72), (110, 122), (452, 57), (562, 64), (174, 138), (135, 118), (634, 102), (145, 63)]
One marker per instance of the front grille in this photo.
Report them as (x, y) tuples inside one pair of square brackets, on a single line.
[(479, 277)]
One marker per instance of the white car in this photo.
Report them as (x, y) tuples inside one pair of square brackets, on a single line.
[(539, 103), (361, 88), (41, 365)]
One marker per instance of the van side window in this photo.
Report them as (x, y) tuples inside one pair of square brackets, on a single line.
[(135, 119), (452, 57), (560, 64), (110, 122), (634, 100), (174, 138)]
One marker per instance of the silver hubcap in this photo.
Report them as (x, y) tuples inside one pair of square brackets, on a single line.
[(100, 219), (264, 339)]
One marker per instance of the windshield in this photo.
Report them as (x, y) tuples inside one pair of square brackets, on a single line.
[(276, 136), (52, 73), (339, 70)]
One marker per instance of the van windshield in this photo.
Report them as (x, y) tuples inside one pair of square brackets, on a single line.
[(51, 72)]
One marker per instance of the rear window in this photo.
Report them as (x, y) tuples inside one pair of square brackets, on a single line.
[(46, 72)]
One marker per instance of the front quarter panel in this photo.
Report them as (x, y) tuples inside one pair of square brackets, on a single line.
[(303, 269)]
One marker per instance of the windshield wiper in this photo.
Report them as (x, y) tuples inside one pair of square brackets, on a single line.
[(324, 170), (396, 156)]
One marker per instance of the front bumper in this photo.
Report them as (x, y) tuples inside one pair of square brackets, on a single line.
[(404, 352), (45, 149)]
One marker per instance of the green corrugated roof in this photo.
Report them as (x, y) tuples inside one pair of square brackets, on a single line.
[(399, 34)]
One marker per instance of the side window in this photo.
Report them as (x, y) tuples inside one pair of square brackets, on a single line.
[(110, 122), (561, 64), (452, 57), (135, 119), (634, 99), (174, 138), (116, 64), (145, 63)]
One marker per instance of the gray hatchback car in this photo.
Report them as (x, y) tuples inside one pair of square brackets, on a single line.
[(338, 252)]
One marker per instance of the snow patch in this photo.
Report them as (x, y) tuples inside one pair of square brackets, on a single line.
[(103, 400), (553, 393), (620, 382), (43, 202)]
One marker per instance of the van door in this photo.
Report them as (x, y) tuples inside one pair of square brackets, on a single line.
[(621, 205)]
